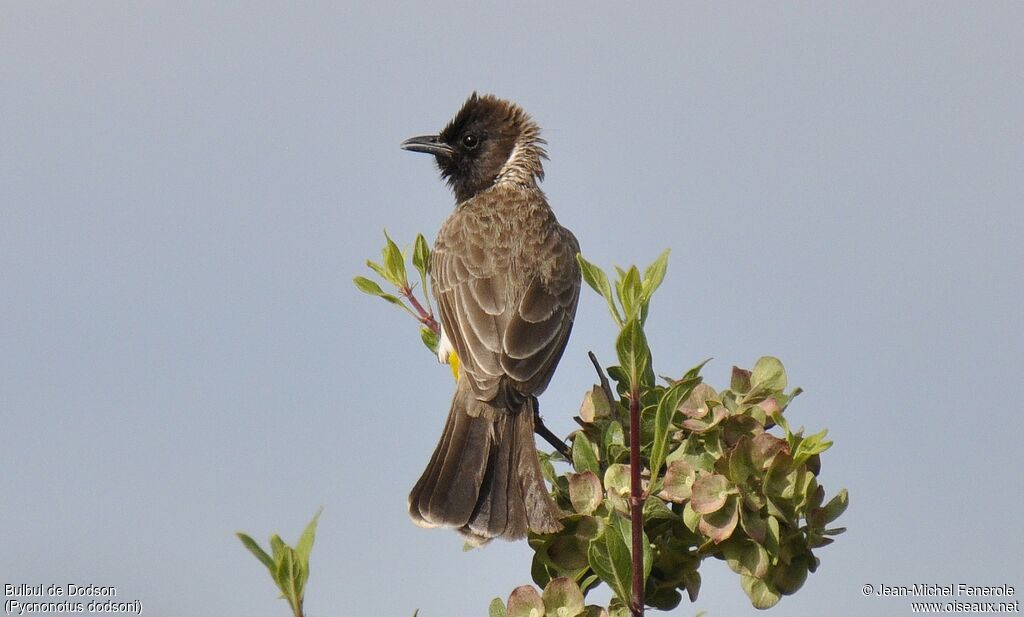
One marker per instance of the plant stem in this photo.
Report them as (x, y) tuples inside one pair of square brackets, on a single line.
[(425, 317), (636, 513)]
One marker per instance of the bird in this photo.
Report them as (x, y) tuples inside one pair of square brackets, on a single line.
[(506, 280)]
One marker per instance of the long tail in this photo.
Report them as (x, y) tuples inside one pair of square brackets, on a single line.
[(484, 477)]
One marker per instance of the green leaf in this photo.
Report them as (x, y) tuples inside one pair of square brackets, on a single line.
[(584, 458), (585, 492), (305, 544), (691, 581), (595, 405), (525, 602), (547, 469), (752, 522), (695, 371), (619, 377), (654, 275), (255, 549), (609, 558), (631, 293), (287, 576), (663, 597), (277, 547), (625, 528), (744, 556), (706, 421), (496, 609), (709, 493), (740, 460), (421, 255), (772, 536), (740, 382), (622, 562), (700, 399), (303, 576), (775, 413), (690, 518), (430, 339), (394, 300), (789, 578), (662, 426), (634, 355), (720, 524), (566, 553), (694, 451), (380, 270), (811, 445), (367, 286), (616, 484), (761, 595), (764, 447), (666, 411), (768, 374), (613, 435), (421, 261), (656, 509), (539, 569), (370, 287), (394, 262), (678, 484), (598, 281), (835, 507), (563, 598)]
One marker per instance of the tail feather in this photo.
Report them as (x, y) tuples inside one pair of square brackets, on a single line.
[(419, 498), (492, 517), (541, 511), (484, 477)]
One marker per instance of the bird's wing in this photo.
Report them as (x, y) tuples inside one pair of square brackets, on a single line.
[(470, 289), (538, 327), (497, 331)]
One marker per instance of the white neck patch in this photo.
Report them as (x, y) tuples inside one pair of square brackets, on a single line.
[(518, 168)]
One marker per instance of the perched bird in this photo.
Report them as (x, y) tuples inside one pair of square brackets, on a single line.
[(506, 280)]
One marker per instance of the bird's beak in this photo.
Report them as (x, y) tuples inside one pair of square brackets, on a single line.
[(428, 144)]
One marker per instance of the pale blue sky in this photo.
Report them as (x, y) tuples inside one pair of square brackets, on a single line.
[(186, 190)]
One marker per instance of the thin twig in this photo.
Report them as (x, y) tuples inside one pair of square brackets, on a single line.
[(425, 317), (604, 379), (545, 432)]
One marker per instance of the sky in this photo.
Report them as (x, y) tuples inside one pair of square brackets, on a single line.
[(188, 188)]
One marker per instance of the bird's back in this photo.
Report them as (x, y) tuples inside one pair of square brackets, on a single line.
[(506, 280)]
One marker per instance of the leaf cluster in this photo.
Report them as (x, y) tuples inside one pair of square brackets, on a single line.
[(289, 567), (717, 482), (392, 270)]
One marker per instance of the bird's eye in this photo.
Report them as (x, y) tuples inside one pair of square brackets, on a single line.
[(470, 141)]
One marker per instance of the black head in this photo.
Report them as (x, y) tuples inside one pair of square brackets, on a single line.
[(488, 141)]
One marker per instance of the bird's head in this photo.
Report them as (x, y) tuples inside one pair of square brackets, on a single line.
[(490, 140)]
